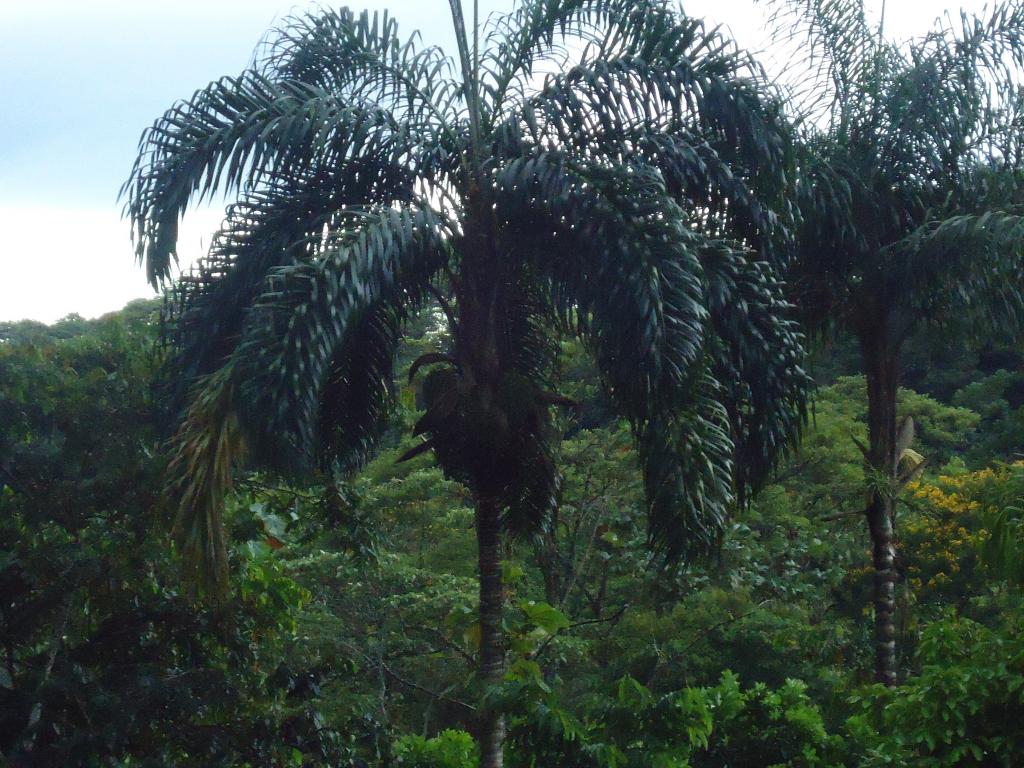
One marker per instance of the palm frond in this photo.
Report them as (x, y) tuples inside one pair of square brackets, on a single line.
[(543, 35), (294, 329), (967, 267), (275, 226), (358, 394), (516, 40), (630, 280), (696, 83), (686, 455), (695, 109), (532, 499), (236, 134), (838, 47), (208, 447), (319, 340), (722, 202), (757, 355), (362, 58)]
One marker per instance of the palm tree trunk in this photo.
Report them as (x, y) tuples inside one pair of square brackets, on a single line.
[(491, 667), (881, 364)]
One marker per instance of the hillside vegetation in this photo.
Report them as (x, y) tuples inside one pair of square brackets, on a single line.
[(349, 635)]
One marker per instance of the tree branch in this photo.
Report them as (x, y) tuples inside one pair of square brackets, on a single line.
[(613, 619), (379, 663)]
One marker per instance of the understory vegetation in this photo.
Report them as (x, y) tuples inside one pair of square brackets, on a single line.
[(349, 636)]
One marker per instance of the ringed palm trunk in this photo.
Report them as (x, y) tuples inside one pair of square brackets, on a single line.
[(477, 338), (491, 667), (880, 359)]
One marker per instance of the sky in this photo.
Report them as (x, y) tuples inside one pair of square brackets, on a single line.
[(80, 80)]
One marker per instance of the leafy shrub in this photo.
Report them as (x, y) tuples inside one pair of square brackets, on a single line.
[(693, 727), (765, 727), (965, 708), (449, 749), (956, 518)]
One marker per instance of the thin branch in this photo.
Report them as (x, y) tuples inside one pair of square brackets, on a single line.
[(707, 631), (724, 623), (613, 619), (447, 642), (841, 515), (446, 307), (379, 663), (257, 485)]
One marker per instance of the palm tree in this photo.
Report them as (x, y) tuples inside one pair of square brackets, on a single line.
[(910, 173), (630, 199)]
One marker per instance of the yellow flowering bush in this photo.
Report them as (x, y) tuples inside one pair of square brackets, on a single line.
[(939, 540)]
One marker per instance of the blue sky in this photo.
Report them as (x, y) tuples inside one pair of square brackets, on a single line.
[(80, 80)]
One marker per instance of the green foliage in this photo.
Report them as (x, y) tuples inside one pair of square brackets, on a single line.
[(351, 624), (997, 398), (449, 749), (964, 706), (691, 728), (765, 727), (636, 255), (543, 616), (106, 660)]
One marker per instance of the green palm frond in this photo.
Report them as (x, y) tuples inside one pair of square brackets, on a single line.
[(357, 395), (555, 35), (293, 331), (693, 85), (236, 134), (686, 454), (904, 201), (324, 329), (837, 45), (677, 97), (362, 59), (519, 42), (971, 266), (758, 357), (274, 226), (731, 205), (652, 300), (629, 268)]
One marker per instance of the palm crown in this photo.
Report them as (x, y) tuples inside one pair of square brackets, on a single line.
[(911, 173), (628, 199)]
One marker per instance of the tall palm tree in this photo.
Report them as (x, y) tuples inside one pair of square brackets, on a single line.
[(631, 198), (910, 172)]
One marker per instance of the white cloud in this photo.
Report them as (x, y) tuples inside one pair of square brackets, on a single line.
[(56, 260)]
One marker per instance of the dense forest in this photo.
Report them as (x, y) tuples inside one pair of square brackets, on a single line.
[(349, 635), (643, 414)]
